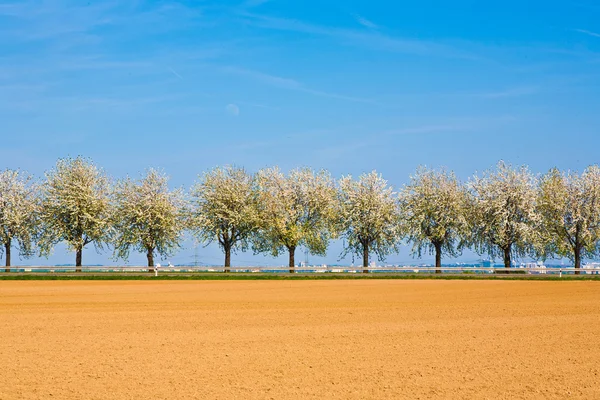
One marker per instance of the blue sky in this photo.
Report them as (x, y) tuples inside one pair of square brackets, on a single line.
[(349, 86)]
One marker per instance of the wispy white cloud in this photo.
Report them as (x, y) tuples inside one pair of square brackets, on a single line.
[(175, 73), (588, 32), (118, 102), (51, 20), (517, 91), (291, 84), (272, 80), (12, 9), (297, 137), (65, 35), (62, 19), (355, 144), (93, 63), (458, 125), (424, 129), (369, 39), (257, 105), (34, 99), (364, 22), (512, 92), (254, 3)]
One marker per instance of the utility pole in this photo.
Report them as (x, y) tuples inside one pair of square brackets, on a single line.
[(195, 253), (306, 257)]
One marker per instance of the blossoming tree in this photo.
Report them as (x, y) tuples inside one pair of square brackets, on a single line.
[(148, 217), (18, 214), (570, 208), (369, 216), (225, 209), (295, 210), (433, 213)]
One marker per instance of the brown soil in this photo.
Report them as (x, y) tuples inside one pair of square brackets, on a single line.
[(302, 339)]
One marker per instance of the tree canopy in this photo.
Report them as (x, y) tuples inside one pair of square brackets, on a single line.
[(503, 221), (569, 205), (369, 216), (433, 213), (19, 210), (295, 210), (225, 209), (148, 217), (75, 206)]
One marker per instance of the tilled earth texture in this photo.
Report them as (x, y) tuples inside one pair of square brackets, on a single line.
[(349, 339)]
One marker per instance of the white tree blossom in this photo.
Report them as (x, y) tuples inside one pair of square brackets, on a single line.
[(225, 209), (502, 213), (570, 208), (18, 214), (297, 210), (75, 206), (369, 216), (433, 213), (148, 217)]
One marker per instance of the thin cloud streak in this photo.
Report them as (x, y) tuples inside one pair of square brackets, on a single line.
[(62, 20), (39, 100), (257, 105), (254, 3), (287, 138), (175, 73), (514, 92), (590, 33), (364, 22), (454, 126), (428, 129), (291, 84), (372, 40)]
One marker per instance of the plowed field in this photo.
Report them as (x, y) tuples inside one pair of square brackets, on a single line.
[(348, 339)]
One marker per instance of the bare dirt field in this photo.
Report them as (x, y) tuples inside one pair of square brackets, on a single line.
[(349, 339)]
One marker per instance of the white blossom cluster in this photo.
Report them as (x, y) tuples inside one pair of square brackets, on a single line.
[(506, 212), (433, 213), (146, 216), (19, 210), (224, 208)]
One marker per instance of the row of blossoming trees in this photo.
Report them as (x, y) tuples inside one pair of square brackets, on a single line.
[(505, 213)]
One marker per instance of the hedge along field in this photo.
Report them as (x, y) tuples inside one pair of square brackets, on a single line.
[(350, 339), (505, 213)]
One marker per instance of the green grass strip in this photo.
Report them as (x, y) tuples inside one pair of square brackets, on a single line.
[(276, 276)]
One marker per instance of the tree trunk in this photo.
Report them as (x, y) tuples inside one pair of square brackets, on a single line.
[(227, 259), (438, 258), (507, 262), (150, 256), (577, 260), (7, 252), (78, 255), (292, 264), (366, 258)]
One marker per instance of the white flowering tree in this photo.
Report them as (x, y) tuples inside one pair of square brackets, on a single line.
[(74, 207), (148, 217), (569, 205), (295, 210), (502, 213), (433, 214), (369, 217), (18, 214), (224, 209)]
